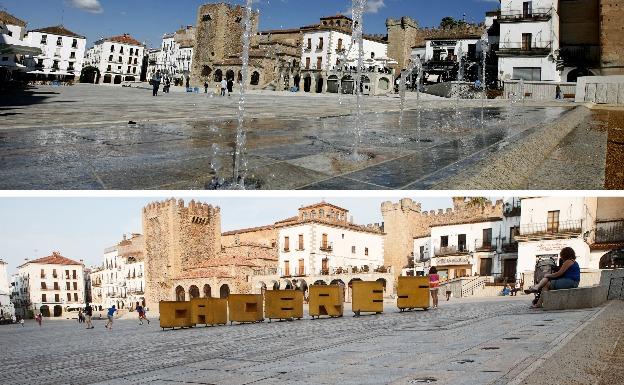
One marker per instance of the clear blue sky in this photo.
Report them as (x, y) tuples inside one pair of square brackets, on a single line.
[(80, 228), (148, 20)]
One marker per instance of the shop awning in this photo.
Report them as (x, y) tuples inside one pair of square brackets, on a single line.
[(12, 46)]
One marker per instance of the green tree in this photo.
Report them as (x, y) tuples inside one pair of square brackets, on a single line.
[(89, 74)]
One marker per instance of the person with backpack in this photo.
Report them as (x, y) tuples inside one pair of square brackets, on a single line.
[(156, 79)]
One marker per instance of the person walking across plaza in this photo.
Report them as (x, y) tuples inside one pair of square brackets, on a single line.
[(205, 87), (156, 79), (79, 316), (88, 315), (111, 313), (434, 285), (39, 318), (558, 92), (142, 315), (223, 87)]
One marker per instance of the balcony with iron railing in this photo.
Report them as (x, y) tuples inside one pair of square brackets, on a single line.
[(534, 48), (557, 230), (610, 231), (326, 248), (510, 247), (444, 251), (521, 15), (485, 245), (580, 55)]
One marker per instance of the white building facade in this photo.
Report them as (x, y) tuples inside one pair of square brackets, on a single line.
[(593, 227), (14, 49), (529, 40), (328, 59), (52, 286), (118, 59), (483, 247), (7, 309), (120, 281), (323, 242), (63, 52)]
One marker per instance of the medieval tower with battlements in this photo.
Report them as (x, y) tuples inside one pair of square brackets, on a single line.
[(177, 238), (219, 28)]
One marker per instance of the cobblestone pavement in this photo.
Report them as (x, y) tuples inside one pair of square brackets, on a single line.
[(466, 341), (80, 138)]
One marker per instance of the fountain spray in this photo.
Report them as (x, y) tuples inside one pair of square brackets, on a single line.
[(240, 163), (415, 64), (358, 7), (484, 49)]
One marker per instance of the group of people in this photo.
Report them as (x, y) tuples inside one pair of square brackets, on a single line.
[(567, 276), (157, 79)]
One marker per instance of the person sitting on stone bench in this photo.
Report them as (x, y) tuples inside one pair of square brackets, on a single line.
[(568, 276)]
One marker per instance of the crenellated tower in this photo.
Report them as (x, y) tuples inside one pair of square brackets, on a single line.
[(178, 237)]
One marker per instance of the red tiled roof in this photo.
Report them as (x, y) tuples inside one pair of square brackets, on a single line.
[(7, 18), (249, 230), (58, 30), (124, 39), (55, 259)]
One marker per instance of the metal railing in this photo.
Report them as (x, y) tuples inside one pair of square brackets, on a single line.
[(450, 250), (535, 47), (328, 248), (562, 228), (485, 245), (536, 14), (510, 247), (610, 231), (513, 211)]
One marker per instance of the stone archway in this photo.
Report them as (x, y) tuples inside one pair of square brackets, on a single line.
[(307, 83), (58, 310), (229, 75), (206, 71), (107, 79), (117, 79), (297, 80), (347, 84), (193, 292), (614, 259), (288, 285), (332, 84), (276, 285), (320, 282), (224, 291), (577, 73), (319, 85), (384, 84), (255, 78), (207, 291), (45, 310), (180, 294), (218, 76), (337, 282)]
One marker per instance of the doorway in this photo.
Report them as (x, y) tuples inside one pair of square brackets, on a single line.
[(485, 269), (509, 269)]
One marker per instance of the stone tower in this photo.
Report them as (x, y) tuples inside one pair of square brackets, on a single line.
[(405, 220), (177, 238), (611, 37), (402, 36), (218, 35)]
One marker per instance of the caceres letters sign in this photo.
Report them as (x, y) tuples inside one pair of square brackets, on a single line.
[(443, 261)]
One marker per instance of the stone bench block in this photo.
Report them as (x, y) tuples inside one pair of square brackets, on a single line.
[(579, 298)]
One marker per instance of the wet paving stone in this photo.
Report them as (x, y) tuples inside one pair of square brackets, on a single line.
[(308, 140)]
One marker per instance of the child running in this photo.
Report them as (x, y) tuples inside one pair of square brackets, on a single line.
[(111, 313), (142, 316)]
